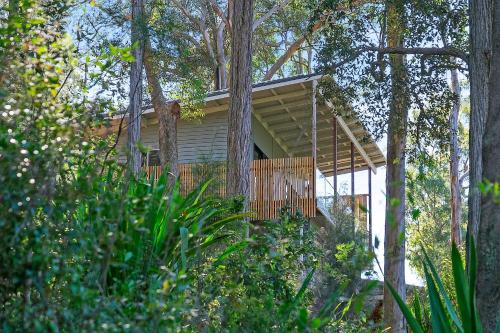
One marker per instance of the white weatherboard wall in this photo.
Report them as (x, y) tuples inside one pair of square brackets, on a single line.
[(205, 139), (198, 140), (202, 140)]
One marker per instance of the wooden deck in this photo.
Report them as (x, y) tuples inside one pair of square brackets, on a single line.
[(274, 184)]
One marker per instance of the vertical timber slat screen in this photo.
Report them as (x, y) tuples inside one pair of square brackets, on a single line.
[(274, 184)]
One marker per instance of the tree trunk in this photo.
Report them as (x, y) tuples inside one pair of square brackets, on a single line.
[(299, 65), (394, 247), (488, 275), (168, 114), (240, 101), (309, 60), (480, 39), (135, 94), (454, 160), (221, 59)]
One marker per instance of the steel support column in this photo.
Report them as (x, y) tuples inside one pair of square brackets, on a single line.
[(353, 204), (370, 230), (352, 175), (313, 125), (334, 134), (313, 136)]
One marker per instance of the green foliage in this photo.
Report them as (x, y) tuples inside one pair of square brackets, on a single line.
[(152, 226), (255, 289), (446, 316), (490, 188), (344, 252), (352, 35), (84, 247), (429, 215)]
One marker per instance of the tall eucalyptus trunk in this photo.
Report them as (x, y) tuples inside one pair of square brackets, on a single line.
[(394, 246), (135, 93), (488, 275), (240, 101), (454, 161), (480, 53)]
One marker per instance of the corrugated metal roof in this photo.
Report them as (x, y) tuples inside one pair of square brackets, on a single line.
[(284, 109), (267, 83)]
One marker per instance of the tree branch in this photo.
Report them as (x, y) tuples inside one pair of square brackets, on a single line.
[(276, 8), (462, 178), (292, 49), (187, 36), (230, 6), (296, 45), (186, 13), (431, 51), (201, 24), (221, 14)]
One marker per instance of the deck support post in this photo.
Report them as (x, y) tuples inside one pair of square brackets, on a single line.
[(313, 137), (352, 176), (353, 204), (370, 230), (313, 127), (334, 134)]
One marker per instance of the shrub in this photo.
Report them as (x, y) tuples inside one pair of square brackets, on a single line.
[(445, 316)]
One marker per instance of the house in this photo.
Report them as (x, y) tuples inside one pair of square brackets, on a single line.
[(297, 144)]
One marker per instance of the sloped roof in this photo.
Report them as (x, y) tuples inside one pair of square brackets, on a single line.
[(284, 108)]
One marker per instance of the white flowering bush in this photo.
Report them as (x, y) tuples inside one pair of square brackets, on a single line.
[(46, 166)]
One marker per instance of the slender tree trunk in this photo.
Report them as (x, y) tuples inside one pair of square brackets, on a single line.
[(394, 247), (168, 115), (454, 160), (240, 101), (488, 275), (309, 60), (221, 58), (300, 65), (135, 94), (480, 39)]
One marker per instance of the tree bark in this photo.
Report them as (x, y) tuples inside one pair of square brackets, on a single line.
[(221, 59), (168, 114), (394, 246), (480, 44), (488, 275), (135, 94), (240, 101), (454, 161), (309, 60)]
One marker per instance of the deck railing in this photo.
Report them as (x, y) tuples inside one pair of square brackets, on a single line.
[(274, 183), (282, 182), (328, 201)]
